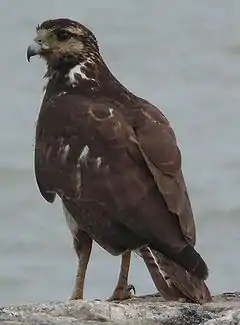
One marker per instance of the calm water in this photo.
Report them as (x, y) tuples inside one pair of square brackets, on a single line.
[(182, 55)]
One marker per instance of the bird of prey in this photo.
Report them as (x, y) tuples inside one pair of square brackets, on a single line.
[(113, 160)]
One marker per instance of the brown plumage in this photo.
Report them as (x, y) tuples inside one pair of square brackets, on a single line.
[(172, 281), (112, 158)]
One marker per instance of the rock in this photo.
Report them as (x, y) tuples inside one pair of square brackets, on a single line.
[(145, 310)]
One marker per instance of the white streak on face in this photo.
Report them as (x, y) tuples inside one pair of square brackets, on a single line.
[(72, 224), (99, 162)]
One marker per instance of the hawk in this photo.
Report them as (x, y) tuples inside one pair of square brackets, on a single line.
[(113, 160)]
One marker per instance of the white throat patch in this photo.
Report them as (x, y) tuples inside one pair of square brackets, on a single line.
[(79, 70)]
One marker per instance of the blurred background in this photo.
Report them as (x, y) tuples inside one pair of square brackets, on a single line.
[(180, 55)]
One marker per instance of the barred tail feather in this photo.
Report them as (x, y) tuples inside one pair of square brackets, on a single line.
[(172, 281)]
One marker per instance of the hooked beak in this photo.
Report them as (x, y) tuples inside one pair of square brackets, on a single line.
[(33, 49), (39, 45)]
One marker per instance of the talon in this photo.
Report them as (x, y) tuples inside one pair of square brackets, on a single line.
[(130, 288), (123, 293)]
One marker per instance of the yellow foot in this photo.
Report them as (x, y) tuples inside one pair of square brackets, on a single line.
[(123, 293)]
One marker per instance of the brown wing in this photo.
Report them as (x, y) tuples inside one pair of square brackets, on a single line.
[(66, 126), (158, 146), (58, 147)]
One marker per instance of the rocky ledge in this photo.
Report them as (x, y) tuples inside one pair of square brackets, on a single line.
[(224, 309)]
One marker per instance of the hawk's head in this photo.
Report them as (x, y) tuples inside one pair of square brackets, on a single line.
[(62, 39)]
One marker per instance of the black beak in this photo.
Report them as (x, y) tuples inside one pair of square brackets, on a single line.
[(33, 49)]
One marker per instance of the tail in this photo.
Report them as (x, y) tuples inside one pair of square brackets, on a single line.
[(173, 281), (191, 261)]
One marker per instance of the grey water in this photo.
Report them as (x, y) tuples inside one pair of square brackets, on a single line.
[(181, 55)]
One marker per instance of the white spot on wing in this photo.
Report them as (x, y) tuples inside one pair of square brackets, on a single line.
[(61, 93), (72, 224), (60, 149), (78, 181), (65, 153), (66, 149), (84, 153), (82, 156), (111, 112), (99, 162)]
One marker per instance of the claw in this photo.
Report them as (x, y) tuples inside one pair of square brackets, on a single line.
[(130, 288), (123, 293)]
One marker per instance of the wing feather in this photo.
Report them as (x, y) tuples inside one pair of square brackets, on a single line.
[(157, 143), (58, 147), (61, 143)]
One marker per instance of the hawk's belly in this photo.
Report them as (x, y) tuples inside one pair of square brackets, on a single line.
[(122, 208), (108, 195), (100, 224)]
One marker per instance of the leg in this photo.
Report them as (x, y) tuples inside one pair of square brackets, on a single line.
[(123, 290), (83, 246)]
